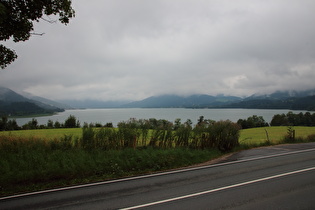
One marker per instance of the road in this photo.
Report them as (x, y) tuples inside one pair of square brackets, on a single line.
[(280, 177)]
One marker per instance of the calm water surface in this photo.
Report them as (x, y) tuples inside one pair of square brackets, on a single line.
[(117, 115)]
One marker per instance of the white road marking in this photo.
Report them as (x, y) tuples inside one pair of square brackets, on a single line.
[(219, 189)]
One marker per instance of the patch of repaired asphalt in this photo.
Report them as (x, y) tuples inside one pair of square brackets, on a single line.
[(269, 150)]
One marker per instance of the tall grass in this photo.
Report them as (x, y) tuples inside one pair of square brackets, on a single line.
[(105, 153), (222, 135), (27, 162)]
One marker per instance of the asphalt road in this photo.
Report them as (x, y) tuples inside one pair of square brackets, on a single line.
[(281, 177)]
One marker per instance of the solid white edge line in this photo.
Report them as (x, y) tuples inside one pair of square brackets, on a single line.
[(152, 175), (219, 189)]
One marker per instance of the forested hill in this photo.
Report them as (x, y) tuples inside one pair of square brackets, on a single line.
[(304, 100), (175, 101), (14, 104), (292, 103)]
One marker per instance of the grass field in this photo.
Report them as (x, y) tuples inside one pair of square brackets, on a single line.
[(46, 134), (247, 136), (276, 134)]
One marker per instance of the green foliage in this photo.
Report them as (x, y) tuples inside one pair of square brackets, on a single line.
[(17, 17), (95, 154), (291, 119), (8, 125), (88, 138), (252, 122), (182, 135), (7, 56), (32, 161), (57, 124), (291, 133), (71, 122), (290, 136), (134, 133), (33, 124), (279, 120), (107, 139), (224, 135), (50, 124)]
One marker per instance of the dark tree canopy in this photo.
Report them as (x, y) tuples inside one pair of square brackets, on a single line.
[(17, 17)]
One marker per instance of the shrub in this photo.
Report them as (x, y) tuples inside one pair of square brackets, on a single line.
[(224, 135), (311, 138), (109, 125), (88, 140)]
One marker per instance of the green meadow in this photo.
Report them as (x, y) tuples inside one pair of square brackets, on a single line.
[(45, 134), (254, 136)]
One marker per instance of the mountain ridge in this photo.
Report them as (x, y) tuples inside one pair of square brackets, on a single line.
[(12, 103), (275, 100), (175, 101), (303, 100)]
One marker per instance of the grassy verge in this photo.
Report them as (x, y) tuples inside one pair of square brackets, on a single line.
[(33, 160), (34, 164)]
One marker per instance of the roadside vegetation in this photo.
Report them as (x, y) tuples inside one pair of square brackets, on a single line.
[(37, 159)]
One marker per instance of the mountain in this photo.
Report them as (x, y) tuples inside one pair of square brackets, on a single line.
[(46, 101), (278, 95), (12, 103), (93, 104), (293, 103), (10, 96), (175, 101), (293, 100), (16, 104)]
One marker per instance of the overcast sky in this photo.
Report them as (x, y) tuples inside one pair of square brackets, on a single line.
[(118, 49)]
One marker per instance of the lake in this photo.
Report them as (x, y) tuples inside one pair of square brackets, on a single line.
[(114, 116)]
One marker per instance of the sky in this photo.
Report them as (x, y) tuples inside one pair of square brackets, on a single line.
[(130, 50)]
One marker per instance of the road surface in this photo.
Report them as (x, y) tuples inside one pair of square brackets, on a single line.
[(281, 177)]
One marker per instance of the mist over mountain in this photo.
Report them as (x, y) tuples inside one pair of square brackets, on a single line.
[(92, 104), (8, 95), (46, 101), (175, 101), (12, 103), (282, 95), (293, 100)]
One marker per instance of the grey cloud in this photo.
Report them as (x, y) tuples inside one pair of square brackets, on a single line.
[(135, 49)]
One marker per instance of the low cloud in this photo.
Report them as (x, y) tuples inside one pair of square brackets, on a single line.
[(131, 50)]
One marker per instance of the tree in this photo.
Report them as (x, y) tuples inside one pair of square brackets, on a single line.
[(279, 120), (57, 124), (252, 122), (50, 124), (17, 17), (71, 122), (200, 120), (3, 123)]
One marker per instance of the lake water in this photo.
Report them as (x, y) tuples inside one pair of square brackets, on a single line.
[(114, 116)]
